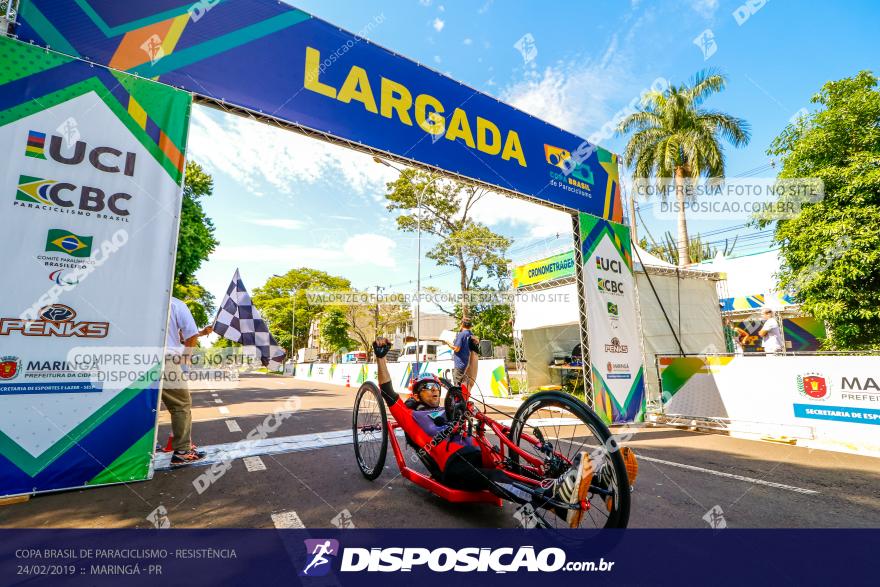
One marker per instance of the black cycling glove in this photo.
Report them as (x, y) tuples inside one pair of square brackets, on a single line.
[(474, 346), (381, 351)]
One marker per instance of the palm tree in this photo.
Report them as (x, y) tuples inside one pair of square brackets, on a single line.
[(674, 137)]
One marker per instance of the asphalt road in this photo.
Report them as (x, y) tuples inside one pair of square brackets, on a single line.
[(683, 476)]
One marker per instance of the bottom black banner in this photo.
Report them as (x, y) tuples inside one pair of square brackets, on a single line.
[(435, 557)]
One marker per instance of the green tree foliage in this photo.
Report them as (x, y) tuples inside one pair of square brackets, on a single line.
[(491, 322), (675, 137), (667, 248), (276, 304), (334, 331), (467, 245), (195, 242), (362, 322), (831, 250)]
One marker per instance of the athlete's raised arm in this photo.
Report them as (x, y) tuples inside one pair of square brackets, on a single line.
[(381, 346)]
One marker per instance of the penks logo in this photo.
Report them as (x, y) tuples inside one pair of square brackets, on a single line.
[(63, 241), (813, 386), (59, 196), (319, 553), (9, 367), (615, 347), (54, 320), (36, 143)]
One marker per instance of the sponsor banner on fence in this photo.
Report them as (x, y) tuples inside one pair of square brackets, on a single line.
[(90, 195), (555, 267), (831, 399), (615, 350), (491, 376), (270, 57)]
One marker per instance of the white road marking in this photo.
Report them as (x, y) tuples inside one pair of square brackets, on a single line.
[(254, 464), (223, 410), (233, 426), (306, 442), (217, 453), (283, 520), (218, 401), (642, 457)]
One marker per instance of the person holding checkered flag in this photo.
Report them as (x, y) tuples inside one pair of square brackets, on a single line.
[(239, 321)]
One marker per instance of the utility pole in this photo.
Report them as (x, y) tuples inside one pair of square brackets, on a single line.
[(378, 289)]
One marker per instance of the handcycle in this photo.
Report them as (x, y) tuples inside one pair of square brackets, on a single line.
[(533, 449)]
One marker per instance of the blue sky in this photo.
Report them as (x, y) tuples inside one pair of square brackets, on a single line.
[(283, 201)]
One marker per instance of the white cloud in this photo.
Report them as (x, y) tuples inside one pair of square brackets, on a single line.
[(359, 249), (285, 223), (705, 8), (438, 24), (250, 151), (437, 59), (536, 221), (372, 249), (468, 41)]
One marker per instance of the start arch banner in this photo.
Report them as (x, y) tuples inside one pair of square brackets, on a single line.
[(274, 60), (90, 191)]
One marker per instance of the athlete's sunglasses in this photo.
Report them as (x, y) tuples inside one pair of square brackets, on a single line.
[(429, 387)]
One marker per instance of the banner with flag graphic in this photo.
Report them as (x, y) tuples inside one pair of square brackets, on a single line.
[(239, 321), (92, 177)]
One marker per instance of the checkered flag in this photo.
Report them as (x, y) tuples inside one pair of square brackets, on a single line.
[(239, 321)]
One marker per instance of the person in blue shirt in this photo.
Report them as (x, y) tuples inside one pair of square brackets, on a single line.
[(462, 353)]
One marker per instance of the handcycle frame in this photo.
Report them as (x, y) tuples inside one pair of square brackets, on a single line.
[(497, 456)]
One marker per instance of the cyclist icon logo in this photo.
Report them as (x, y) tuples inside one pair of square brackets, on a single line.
[(319, 553)]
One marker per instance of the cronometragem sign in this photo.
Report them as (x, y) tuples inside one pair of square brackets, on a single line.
[(273, 59), (90, 191)]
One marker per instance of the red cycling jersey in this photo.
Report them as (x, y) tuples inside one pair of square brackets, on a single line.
[(428, 430)]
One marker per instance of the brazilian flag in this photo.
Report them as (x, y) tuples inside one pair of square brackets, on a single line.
[(63, 241)]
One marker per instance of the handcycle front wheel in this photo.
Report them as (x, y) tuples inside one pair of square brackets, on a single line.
[(369, 425), (554, 427)]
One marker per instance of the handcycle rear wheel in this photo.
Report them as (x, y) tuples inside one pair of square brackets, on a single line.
[(570, 427), (369, 425)]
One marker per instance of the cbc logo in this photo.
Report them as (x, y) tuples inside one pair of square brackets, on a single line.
[(610, 286)]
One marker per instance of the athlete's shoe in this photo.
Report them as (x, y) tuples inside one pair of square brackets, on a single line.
[(179, 459), (573, 485)]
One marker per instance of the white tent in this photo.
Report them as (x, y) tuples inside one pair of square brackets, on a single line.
[(673, 303)]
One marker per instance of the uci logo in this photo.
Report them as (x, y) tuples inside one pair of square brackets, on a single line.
[(106, 159), (608, 265)]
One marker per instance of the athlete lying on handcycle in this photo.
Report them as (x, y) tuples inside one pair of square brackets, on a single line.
[(453, 457)]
